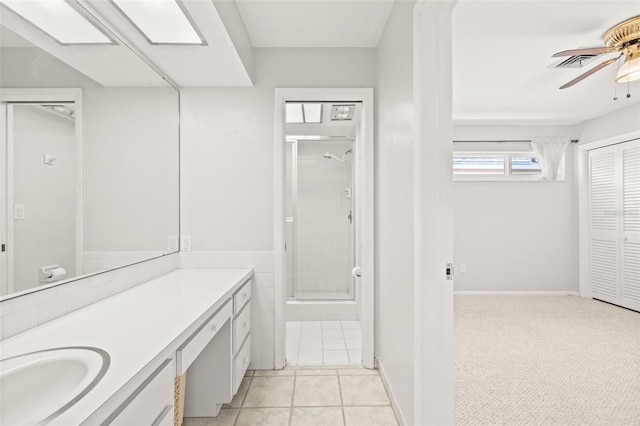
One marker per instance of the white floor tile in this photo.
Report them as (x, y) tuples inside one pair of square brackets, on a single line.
[(332, 334), (310, 345), (354, 344), (333, 345), (336, 357), (331, 325), (311, 334), (311, 325), (352, 333), (350, 324), (310, 357)]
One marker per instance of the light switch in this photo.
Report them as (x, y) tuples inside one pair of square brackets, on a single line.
[(18, 212), (463, 267)]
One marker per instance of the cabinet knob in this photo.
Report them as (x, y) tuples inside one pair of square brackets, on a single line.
[(245, 361), (245, 295), (214, 327), (244, 324)]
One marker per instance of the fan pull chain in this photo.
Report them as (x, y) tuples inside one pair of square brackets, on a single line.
[(615, 90), (628, 92)]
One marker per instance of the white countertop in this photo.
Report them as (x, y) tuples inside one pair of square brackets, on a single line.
[(134, 327)]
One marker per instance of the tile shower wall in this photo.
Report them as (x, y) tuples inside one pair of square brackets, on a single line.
[(24, 312), (262, 295), (324, 234)]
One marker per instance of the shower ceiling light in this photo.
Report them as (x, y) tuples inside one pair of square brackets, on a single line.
[(63, 22), (161, 21), (342, 112)]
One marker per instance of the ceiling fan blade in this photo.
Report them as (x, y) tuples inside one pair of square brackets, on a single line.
[(588, 73), (586, 51)]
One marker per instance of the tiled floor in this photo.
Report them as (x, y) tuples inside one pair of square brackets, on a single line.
[(306, 397), (324, 342)]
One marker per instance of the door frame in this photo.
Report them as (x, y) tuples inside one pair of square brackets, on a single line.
[(364, 207), (36, 95), (584, 234)]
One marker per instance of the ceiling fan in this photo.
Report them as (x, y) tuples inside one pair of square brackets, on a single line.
[(624, 38)]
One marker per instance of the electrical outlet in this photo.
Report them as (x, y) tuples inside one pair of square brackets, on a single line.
[(463, 267), (18, 212), (172, 243), (185, 242)]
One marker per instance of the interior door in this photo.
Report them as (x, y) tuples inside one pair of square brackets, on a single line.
[(604, 258), (4, 264), (614, 224), (629, 158)]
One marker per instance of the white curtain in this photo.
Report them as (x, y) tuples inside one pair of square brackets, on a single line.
[(550, 154)]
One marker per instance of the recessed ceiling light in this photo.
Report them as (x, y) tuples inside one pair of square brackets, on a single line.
[(59, 20), (161, 21)]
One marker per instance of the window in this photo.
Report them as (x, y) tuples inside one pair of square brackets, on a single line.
[(496, 166)]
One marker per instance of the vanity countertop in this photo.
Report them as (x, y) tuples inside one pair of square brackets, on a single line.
[(134, 327)]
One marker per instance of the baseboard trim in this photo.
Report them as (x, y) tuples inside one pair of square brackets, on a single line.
[(392, 397), (516, 293)]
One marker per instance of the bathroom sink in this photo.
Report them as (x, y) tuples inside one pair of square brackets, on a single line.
[(38, 386)]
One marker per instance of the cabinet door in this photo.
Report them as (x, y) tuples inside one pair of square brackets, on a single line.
[(603, 224), (630, 225)]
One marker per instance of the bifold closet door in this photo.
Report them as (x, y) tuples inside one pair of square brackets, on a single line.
[(630, 221), (614, 224)]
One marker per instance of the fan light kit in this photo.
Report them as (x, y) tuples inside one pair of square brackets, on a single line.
[(624, 38)]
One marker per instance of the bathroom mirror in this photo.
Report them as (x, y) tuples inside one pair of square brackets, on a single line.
[(89, 174)]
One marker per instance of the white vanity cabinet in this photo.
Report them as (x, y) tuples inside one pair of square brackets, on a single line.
[(151, 403), (241, 333)]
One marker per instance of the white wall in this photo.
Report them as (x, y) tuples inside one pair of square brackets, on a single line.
[(516, 236), (227, 161), (619, 122), (48, 192), (394, 205)]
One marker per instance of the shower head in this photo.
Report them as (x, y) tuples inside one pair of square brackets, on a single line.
[(329, 156)]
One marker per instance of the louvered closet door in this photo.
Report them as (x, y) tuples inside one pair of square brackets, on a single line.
[(630, 224), (604, 203)]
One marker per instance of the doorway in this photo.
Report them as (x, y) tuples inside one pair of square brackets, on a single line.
[(41, 152), (324, 226)]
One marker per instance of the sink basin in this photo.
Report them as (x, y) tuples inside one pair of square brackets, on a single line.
[(38, 386)]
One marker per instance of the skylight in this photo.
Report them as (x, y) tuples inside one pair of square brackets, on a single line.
[(59, 20), (160, 21), (304, 113)]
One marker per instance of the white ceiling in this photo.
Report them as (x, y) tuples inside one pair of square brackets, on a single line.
[(308, 23), (502, 53)]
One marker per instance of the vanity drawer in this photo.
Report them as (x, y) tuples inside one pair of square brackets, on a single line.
[(241, 364), (149, 402), (241, 327), (190, 350), (166, 418), (241, 297)]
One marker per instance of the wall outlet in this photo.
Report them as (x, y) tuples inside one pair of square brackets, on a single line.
[(18, 212), (185, 242), (172, 243), (463, 267)]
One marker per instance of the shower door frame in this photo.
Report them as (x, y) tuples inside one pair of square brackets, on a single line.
[(364, 178)]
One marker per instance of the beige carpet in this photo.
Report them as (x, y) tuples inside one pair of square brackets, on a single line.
[(553, 360)]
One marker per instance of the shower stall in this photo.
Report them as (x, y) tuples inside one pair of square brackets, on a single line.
[(320, 225)]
